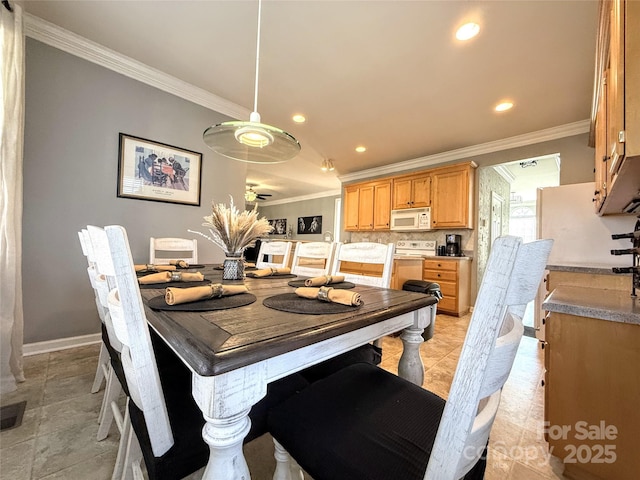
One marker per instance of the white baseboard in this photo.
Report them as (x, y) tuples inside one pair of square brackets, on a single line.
[(60, 344)]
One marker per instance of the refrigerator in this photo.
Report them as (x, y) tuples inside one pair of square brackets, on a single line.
[(581, 238)]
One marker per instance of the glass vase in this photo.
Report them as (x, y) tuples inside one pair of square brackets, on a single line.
[(233, 268)]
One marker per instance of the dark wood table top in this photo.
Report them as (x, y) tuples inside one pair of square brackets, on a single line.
[(219, 341)]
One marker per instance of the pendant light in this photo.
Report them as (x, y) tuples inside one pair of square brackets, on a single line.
[(252, 141)]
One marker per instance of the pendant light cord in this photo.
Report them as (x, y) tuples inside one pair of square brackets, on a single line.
[(255, 101)]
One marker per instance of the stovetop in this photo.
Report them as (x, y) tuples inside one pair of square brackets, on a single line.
[(416, 248)]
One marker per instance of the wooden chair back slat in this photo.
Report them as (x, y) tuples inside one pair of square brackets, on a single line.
[(312, 259), (369, 253), (160, 250), (281, 250)]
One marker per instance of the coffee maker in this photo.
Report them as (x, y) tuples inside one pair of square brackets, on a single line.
[(453, 246)]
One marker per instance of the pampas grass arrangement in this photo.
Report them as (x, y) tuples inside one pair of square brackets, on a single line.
[(232, 230)]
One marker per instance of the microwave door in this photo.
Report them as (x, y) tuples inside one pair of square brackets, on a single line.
[(408, 222)]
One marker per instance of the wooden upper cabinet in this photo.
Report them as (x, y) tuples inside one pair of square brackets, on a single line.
[(615, 129), (412, 191), (453, 196), (351, 206), (367, 206), (382, 205)]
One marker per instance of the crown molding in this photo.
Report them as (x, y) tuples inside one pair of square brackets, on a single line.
[(540, 136), (58, 37), (328, 193)]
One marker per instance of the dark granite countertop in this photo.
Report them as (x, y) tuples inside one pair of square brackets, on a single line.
[(612, 305)]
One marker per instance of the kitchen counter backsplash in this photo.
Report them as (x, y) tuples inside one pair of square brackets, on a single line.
[(393, 237)]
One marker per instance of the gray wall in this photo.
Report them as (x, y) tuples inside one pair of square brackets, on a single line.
[(324, 207), (74, 113)]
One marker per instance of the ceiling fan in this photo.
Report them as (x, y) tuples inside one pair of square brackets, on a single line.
[(251, 195)]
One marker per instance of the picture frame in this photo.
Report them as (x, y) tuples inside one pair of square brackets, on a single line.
[(154, 171), (310, 225), (279, 226)]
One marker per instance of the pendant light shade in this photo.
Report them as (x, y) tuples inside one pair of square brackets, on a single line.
[(252, 141)]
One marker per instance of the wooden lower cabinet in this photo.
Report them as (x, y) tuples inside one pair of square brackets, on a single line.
[(592, 396), (454, 277)]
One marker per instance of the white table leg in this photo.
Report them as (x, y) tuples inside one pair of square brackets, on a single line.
[(410, 365), (224, 437)]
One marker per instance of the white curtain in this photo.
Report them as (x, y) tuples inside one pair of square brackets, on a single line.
[(11, 151)]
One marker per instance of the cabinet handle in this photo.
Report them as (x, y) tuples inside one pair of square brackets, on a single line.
[(439, 264), (542, 382), (438, 275)]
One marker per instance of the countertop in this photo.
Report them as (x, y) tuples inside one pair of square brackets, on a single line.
[(611, 305), (582, 269)]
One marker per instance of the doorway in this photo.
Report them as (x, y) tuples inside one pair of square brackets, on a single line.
[(524, 177)]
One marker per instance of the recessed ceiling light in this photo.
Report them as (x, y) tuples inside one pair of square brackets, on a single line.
[(504, 106), (361, 149), (467, 31), (299, 118)]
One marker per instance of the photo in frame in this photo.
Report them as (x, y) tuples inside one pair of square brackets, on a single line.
[(150, 170), (279, 226), (310, 225)]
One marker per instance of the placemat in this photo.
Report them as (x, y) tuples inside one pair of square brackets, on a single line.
[(193, 265), (272, 277), (292, 303), (174, 284), (222, 303), (221, 267), (339, 285)]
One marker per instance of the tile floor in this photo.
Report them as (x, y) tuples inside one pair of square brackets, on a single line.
[(57, 437)]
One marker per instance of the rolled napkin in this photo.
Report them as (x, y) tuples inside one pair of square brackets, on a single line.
[(154, 268), (175, 296), (268, 272), (325, 280), (330, 294), (179, 263), (166, 277)]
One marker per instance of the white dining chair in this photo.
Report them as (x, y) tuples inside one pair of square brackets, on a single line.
[(312, 259), (377, 256), (274, 255), (401, 430), (162, 250)]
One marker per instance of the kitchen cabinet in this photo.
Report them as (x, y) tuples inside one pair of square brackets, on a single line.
[(615, 129), (405, 269), (412, 191), (452, 194), (454, 277), (592, 383), (367, 206)]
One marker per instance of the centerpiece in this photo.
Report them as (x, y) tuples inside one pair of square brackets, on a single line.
[(233, 231)]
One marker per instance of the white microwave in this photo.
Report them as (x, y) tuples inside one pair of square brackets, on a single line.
[(411, 219)]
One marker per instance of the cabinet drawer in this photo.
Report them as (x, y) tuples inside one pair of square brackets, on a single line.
[(437, 275), (441, 265), (448, 304)]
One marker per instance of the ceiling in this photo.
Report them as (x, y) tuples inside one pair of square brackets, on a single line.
[(389, 75)]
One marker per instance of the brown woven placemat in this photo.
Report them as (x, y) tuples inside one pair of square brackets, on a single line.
[(339, 285), (292, 303), (174, 284), (222, 303)]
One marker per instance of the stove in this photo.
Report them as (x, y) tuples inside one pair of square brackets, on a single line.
[(415, 248)]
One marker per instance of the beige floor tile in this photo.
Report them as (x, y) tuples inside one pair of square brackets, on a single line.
[(99, 467), (62, 449), (79, 410), (26, 431), (16, 461)]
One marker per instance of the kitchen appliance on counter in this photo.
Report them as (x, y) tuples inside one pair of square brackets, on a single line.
[(453, 246), (411, 219), (415, 248)]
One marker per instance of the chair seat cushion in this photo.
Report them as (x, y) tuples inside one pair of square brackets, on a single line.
[(360, 423)]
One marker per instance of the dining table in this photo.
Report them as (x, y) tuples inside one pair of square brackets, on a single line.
[(234, 353)]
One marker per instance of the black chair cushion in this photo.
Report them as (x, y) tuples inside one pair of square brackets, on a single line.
[(364, 354), (114, 359), (189, 452), (362, 423)]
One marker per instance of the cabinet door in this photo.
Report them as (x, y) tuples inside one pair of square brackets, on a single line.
[(451, 199), (402, 193), (615, 81), (601, 169), (365, 208), (351, 207), (382, 205), (421, 188)]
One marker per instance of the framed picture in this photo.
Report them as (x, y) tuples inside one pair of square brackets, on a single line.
[(149, 170), (310, 225), (279, 226)]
